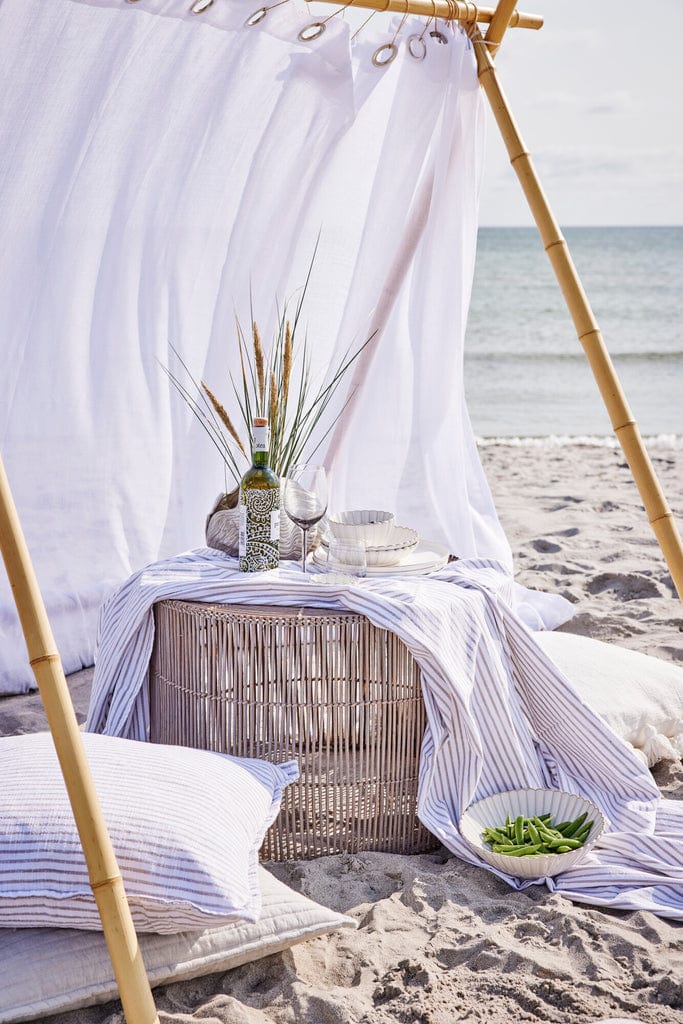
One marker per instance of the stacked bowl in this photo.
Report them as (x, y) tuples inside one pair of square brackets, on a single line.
[(385, 542)]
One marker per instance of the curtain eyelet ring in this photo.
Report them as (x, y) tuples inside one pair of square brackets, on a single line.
[(381, 61), (256, 17), (311, 32), (417, 48)]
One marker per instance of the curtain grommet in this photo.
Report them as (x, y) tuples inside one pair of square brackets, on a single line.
[(310, 32), (257, 17), (439, 36), (417, 48), (381, 61)]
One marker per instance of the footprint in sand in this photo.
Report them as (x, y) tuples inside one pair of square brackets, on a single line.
[(544, 546), (628, 586)]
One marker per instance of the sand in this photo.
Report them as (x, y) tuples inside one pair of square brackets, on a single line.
[(440, 941)]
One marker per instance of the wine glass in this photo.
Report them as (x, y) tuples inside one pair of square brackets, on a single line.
[(346, 557), (306, 499)]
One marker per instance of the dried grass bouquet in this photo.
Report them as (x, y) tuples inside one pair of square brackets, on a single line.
[(277, 384)]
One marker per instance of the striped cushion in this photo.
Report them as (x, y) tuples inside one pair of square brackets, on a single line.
[(186, 826)]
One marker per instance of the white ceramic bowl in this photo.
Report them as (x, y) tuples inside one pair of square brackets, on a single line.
[(491, 812), (367, 526), (402, 540)]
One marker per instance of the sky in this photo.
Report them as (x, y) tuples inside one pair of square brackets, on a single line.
[(597, 94)]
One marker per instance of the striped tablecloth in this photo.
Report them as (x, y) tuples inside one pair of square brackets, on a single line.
[(501, 715)]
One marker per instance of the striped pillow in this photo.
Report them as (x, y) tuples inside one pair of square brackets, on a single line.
[(186, 826)]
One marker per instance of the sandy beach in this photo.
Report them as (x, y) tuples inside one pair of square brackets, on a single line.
[(440, 941)]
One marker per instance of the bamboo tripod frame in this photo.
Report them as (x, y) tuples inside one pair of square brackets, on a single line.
[(105, 879)]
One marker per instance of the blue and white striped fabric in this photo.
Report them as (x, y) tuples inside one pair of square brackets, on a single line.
[(501, 715), (186, 826)]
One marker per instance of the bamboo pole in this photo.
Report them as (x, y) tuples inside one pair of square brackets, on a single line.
[(623, 423), (447, 10), (499, 24), (105, 879)]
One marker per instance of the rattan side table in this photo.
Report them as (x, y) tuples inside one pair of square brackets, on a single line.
[(326, 688)]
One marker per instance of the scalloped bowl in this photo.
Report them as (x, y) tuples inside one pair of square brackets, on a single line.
[(491, 811), (402, 540), (365, 526)]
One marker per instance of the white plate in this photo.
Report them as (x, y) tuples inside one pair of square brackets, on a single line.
[(428, 556)]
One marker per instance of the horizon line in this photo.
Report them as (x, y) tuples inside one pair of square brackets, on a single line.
[(532, 227)]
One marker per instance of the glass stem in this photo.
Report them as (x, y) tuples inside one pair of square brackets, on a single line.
[(303, 548)]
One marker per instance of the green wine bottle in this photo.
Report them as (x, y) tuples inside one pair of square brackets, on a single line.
[(259, 509)]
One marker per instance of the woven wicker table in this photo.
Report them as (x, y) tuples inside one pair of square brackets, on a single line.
[(325, 688)]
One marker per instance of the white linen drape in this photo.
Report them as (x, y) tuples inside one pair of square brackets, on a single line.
[(156, 169)]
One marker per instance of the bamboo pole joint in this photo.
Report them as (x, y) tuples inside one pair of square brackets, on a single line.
[(43, 657), (106, 883)]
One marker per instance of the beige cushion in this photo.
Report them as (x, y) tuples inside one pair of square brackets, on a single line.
[(50, 970), (640, 697)]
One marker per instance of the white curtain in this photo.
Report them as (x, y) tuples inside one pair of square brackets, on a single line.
[(159, 171)]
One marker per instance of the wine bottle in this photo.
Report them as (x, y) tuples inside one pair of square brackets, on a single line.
[(259, 504)]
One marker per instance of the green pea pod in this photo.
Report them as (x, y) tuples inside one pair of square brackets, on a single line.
[(563, 849), (523, 851), (562, 826), (519, 829), (533, 833), (575, 825), (509, 827), (572, 844), (584, 832), (548, 836), (494, 836)]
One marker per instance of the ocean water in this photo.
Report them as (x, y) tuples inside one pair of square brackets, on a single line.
[(526, 375)]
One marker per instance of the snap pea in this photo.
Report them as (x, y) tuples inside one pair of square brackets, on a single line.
[(549, 834), (521, 851), (492, 835), (584, 831), (575, 825), (519, 829), (528, 837), (571, 844)]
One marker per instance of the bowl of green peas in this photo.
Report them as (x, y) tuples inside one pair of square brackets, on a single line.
[(532, 833)]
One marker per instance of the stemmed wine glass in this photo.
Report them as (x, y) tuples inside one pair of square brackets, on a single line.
[(305, 499)]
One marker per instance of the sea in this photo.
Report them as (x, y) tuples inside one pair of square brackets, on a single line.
[(527, 379)]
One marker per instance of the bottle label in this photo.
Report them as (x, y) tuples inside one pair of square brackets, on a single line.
[(243, 530), (275, 525), (259, 529), (261, 439)]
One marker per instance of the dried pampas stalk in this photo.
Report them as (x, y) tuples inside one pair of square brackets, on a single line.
[(287, 364), (260, 370), (272, 405), (224, 418)]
